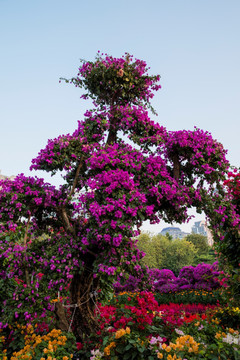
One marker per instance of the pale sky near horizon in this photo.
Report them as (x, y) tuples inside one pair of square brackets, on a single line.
[(194, 46)]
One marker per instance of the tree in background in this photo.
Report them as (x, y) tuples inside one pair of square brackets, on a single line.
[(162, 253), (179, 253), (120, 169), (200, 243), (205, 253), (154, 248)]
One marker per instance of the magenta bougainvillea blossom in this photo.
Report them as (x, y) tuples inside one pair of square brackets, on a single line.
[(203, 276), (120, 169)]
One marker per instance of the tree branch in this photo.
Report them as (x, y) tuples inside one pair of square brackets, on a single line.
[(62, 210), (66, 222), (76, 177)]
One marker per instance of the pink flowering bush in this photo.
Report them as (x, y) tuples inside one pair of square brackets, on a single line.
[(82, 235), (203, 276)]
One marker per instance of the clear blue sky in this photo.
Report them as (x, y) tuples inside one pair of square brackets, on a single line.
[(194, 46)]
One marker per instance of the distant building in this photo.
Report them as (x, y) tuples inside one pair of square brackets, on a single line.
[(3, 177), (173, 231), (200, 227)]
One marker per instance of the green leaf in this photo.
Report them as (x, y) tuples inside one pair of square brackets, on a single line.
[(127, 356)]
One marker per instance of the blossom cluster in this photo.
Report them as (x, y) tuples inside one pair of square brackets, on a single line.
[(203, 276), (121, 79)]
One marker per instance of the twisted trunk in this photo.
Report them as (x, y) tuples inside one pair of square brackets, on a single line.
[(83, 320)]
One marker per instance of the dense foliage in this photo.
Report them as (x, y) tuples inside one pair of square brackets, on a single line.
[(162, 252)]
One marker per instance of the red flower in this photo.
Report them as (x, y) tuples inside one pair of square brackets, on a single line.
[(79, 346)]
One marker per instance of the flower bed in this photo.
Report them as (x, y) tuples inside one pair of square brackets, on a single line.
[(135, 326)]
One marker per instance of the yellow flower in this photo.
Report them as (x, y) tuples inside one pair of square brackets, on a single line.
[(120, 333), (50, 347), (195, 348), (168, 348), (106, 351), (128, 330), (159, 355)]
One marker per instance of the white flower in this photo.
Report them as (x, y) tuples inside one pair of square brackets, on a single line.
[(97, 354), (230, 339), (179, 332)]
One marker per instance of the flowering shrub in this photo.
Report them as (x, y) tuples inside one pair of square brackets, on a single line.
[(82, 235), (208, 331), (228, 316), (54, 345), (230, 247), (163, 280), (203, 276)]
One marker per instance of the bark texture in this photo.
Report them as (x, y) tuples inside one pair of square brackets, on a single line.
[(81, 293)]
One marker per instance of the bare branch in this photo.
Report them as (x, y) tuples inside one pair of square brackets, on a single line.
[(76, 177)]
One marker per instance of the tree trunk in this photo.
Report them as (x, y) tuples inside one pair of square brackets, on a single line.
[(83, 319), (61, 319), (176, 167)]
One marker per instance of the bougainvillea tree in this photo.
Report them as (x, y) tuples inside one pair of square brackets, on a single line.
[(120, 169), (229, 246)]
